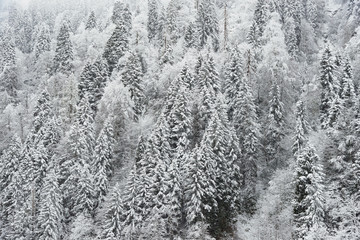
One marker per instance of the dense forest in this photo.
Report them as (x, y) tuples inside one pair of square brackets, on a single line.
[(180, 119)]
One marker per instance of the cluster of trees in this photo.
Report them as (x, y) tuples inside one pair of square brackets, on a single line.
[(210, 130)]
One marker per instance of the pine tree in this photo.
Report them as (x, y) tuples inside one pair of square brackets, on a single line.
[(347, 90), (102, 167), (309, 199), (93, 80), (222, 160), (117, 16), (190, 36), (274, 131), (152, 25), (301, 129), (132, 211), (172, 21), (327, 81), (132, 78), (43, 41), (207, 25), (261, 16), (335, 113), (114, 216), (291, 38), (50, 218), (91, 22), (64, 52), (253, 36), (116, 46)]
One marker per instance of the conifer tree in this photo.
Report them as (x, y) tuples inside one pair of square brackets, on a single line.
[(50, 218), (347, 90), (190, 36), (43, 41), (114, 216), (309, 199), (328, 84), (116, 46), (132, 79), (291, 38), (152, 25), (253, 36), (64, 52), (172, 21), (132, 211), (207, 25), (274, 131), (301, 128), (91, 22), (261, 16), (93, 80), (117, 13), (102, 166)]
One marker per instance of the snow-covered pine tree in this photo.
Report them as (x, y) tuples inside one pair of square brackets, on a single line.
[(261, 16), (309, 199), (233, 77), (172, 21), (91, 22), (207, 25), (328, 85), (116, 46), (64, 52), (253, 37), (93, 80), (43, 41), (117, 12), (102, 165), (114, 216), (152, 24), (50, 220), (132, 76), (347, 89), (190, 36), (221, 156), (132, 210), (274, 129), (291, 38), (301, 128)]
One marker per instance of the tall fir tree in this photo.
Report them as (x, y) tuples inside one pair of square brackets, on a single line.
[(116, 46), (64, 56), (43, 41), (309, 208), (208, 25), (132, 76), (328, 84), (91, 22), (301, 129), (152, 24)]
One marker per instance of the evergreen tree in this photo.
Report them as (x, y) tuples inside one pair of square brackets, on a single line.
[(117, 16), (274, 131), (132, 78), (64, 52), (291, 38), (132, 210), (347, 90), (43, 41), (114, 216), (91, 22), (327, 81), (116, 46), (152, 25), (301, 128), (261, 16), (190, 36), (102, 164), (93, 80), (309, 199), (50, 218), (335, 113), (172, 20), (207, 25), (253, 36)]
